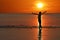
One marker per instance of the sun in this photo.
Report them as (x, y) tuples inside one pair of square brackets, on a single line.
[(39, 5)]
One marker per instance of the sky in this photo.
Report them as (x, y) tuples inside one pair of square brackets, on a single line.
[(28, 5)]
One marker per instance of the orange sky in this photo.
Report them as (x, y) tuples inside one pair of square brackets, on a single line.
[(28, 5)]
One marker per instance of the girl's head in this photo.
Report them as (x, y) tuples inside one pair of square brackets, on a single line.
[(39, 13)]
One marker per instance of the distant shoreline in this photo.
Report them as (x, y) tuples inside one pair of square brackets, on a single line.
[(28, 27)]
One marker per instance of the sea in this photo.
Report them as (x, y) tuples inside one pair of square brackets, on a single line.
[(51, 32), (29, 34)]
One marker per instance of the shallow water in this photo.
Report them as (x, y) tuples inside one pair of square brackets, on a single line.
[(51, 34), (29, 34)]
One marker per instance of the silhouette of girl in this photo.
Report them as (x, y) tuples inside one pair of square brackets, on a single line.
[(39, 21), (39, 17)]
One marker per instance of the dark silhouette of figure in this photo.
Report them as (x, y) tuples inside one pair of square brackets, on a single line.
[(39, 21), (39, 17)]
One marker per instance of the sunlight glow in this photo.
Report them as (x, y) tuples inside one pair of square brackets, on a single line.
[(39, 5), (38, 24)]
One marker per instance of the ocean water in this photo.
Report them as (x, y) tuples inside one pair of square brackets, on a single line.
[(29, 34), (51, 34)]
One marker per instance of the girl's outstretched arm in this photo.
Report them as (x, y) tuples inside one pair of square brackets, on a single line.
[(34, 14), (43, 12)]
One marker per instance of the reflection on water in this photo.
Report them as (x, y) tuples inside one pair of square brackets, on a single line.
[(29, 34)]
